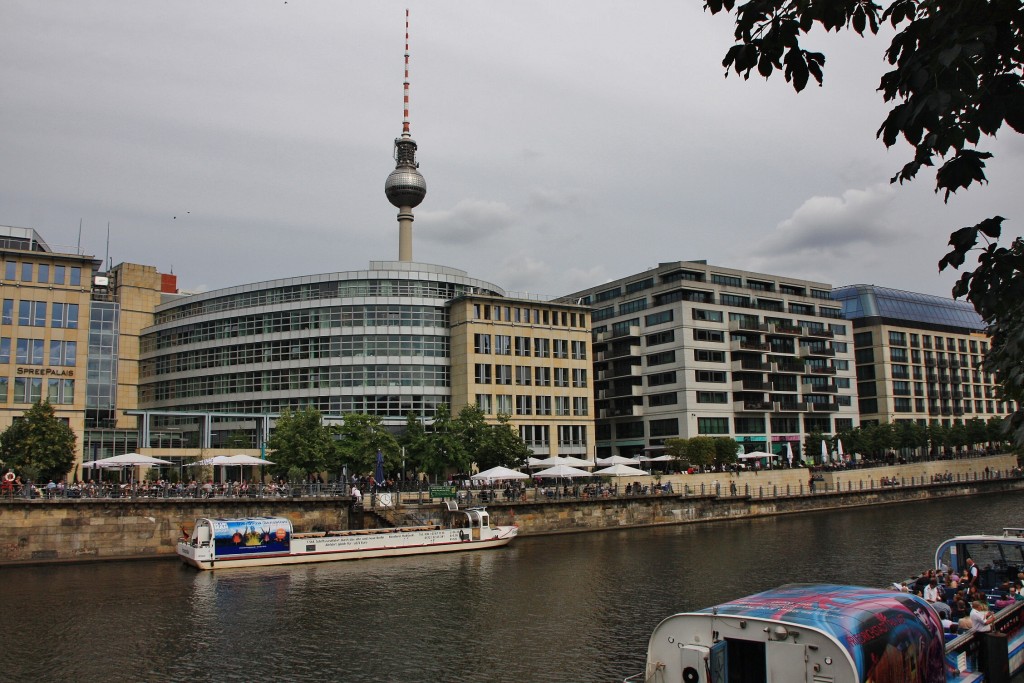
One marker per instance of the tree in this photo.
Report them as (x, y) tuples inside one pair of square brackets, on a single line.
[(416, 443), (359, 438), (726, 450), (678, 448), (812, 447), (445, 447), (503, 446), (301, 441), (473, 430), (701, 451), (40, 443), (956, 79)]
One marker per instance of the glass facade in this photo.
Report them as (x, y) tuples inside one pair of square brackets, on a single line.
[(868, 301)]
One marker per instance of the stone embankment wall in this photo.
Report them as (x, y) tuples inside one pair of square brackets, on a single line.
[(40, 531), (574, 515)]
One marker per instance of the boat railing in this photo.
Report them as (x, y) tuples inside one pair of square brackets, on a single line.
[(966, 647)]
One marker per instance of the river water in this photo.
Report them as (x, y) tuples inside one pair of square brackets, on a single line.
[(574, 607)]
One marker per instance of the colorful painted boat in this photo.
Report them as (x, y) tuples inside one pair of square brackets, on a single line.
[(216, 543)]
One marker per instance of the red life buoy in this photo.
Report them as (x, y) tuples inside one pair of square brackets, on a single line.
[(9, 476)]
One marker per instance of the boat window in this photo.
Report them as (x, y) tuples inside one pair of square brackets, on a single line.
[(747, 662), (998, 562)]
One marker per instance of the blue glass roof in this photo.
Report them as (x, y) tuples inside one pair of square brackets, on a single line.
[(866, 301)]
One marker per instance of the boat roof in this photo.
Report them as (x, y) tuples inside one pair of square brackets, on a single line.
[(858, 619)]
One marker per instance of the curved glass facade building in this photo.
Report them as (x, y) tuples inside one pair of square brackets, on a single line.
[(374, 341)]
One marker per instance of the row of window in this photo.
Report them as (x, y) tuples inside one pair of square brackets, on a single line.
[(370, 315), (307, 348), (298, 379), (897, 338), (720, 426), (539, 435), (869, 405), (507, 404), (30, 390), (33, 352), (527, 375), (33, 314), (43, 273), (540, 347), (716, 278), (529, 315)]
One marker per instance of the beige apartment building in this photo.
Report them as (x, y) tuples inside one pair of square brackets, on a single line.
[(530, 360), (919, 357)]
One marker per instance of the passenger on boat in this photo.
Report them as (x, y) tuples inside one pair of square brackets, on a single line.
[(981, 618), (972, 573), (932, 594)]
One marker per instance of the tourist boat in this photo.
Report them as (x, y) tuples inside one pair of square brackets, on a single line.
[(216, 543), (824, 633), (999, 558)]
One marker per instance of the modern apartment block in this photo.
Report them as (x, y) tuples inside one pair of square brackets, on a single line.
[(918, 357), (687, 349), (530, 360)]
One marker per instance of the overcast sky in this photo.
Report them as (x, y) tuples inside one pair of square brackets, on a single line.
[(563, 144)]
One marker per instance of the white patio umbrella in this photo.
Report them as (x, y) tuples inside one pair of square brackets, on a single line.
[(756, 455), (500, 473), (620, 470), (126, 460), (617, 460), (215, 460), (824, 452), (556, 460), (839, 449), (660, 458), (560, 471), (789, 453), (242, 459)]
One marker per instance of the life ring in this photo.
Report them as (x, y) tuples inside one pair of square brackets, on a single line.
[(9, 476)]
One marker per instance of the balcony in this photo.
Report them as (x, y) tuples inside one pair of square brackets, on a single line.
[(635, 390), (929, 362), (755, 406), (628, 371), (783, 386), (806, 351), (746, 364), (825, 407), (786, 329), (820, 333), (824, 370), (829, 388), (943, 364), (620, 352), (625, 332), (793, 367), (750, 385), (954, 363), (792, 406), (754, 347), (631, 411), (747, 326)]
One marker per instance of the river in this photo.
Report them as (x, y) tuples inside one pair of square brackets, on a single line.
[(576, 607)]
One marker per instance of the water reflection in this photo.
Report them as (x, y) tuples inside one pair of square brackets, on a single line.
[(574, 607)]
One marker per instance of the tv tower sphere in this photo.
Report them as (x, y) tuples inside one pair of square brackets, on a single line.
[(405, 187)]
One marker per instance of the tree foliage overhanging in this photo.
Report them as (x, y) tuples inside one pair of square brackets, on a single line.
[(955, 80)]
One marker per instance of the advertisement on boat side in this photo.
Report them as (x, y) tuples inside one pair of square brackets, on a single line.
[(254, 536), (891, 637)]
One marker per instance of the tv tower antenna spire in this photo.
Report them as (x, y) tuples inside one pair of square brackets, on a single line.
[(405, 188)]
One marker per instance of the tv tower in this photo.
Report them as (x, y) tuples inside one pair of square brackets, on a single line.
[(405, 187)]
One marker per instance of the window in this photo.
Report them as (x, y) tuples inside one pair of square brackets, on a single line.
[(561, 405), (524, 377), (579, 377), (668, 399), (484, 403), (29, 352), (785, 425), (572, 435), (534, 435), (608, 294), (60, 391), (661, 338), (522, 346), (707, 356), (482, 343), (665, 427), (503, 404), (580, 406), (543, 405), (10, 270), (661, 358), (579, 350), (26, 272), (503, 374), (58, 275), (502, 345), (5, 349), (712, 425), (28, 390), (62, 352), (727, 280), (711, 316), (43, 273), (897, 338), (708, 335), (712, 397), (64, 315), (604, 313), (661, 378), (710, 376), (542, 377), (8, 312), (541, 347), (560, 348), (483, 373), (524, 405), (76, 276), (749, 425), (658, 318), (561, 377), (639, 285), (632, 306), (32, 313), (734, 300)]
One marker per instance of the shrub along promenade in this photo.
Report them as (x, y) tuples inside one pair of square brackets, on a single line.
[(55, 529)]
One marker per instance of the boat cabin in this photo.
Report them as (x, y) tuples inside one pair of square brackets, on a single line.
[(802, 632), (999, 558)]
